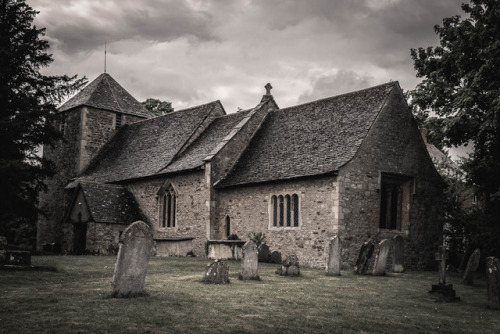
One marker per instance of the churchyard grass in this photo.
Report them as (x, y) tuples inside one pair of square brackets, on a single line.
[(75, 298)]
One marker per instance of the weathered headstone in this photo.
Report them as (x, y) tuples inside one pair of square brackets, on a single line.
[(493, 282), (381, 258), (398, 251), (132, 260), (334, 257), (472, 266), (365, 254), (217, 272), (249, 261), (444, 290), (264, 253), (290, 266), (275, 257)]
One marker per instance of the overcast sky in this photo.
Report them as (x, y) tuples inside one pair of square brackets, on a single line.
[(195, 51)]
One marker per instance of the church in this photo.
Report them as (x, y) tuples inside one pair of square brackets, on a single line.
[(353, 165)]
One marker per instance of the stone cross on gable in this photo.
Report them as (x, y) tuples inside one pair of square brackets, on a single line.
[(268, 88), (442, 255)]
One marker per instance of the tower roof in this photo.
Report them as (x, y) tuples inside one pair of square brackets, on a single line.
[(105, 93)]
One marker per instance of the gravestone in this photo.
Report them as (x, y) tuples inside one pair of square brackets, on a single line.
[(334, 257), (132, 260), (365, 254), (381, 258), (217, 272), (398, 251), (445, 291), (493, 282), (472, 266), (275, 257), (264, 253), (249, 261), (290, 266)]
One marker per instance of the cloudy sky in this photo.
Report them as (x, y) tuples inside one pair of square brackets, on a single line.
[(195, 51)]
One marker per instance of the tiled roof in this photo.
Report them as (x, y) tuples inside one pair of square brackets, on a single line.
[(105, 93), (193, 157), (144, 148), (111, 203), (309, 139)]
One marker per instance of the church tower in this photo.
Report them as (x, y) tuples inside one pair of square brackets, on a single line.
[(87, 121)]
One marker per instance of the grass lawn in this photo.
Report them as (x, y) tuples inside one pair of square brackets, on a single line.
[(75, 299)]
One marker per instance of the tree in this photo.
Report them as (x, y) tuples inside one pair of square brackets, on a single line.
[(459, 98), (158, 107), (28, 101)]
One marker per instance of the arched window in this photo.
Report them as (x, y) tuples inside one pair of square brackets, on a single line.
[(228, 226), (167, 200), (285, 210)]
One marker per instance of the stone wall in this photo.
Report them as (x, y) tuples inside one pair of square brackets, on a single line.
[(192, 207), (393, 145), (103, 238), (86, 130), (249, 208)]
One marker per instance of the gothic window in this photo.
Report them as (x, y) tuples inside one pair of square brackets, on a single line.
[(228, 226), (118, 121), (284, 210), (394, 202), (167, 200)]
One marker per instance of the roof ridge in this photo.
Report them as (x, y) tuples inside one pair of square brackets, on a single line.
[(337, 96), (106, 79)]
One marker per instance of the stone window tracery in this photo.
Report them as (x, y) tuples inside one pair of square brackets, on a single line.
[(284, 210), (167, 201)]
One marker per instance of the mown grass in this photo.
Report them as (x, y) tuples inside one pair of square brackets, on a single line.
[(75, 299)]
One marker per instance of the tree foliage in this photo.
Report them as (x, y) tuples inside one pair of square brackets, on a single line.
[(158, 107), (459, 96), (28, 101)]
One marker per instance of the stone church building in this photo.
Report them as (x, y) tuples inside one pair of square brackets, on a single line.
[(353, 165)]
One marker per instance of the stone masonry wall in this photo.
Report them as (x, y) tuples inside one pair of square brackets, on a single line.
[(86, 129), (249, 211), (192, 206), (104, 238), (393, 145)]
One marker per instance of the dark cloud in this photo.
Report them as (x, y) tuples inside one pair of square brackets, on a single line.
[(77, 26)]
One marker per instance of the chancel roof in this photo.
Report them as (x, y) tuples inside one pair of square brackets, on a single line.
[(110, 203), (105, 93), (310, 139), (145, 148)]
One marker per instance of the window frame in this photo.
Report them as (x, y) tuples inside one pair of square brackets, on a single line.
[(167, 207), (284, 211)]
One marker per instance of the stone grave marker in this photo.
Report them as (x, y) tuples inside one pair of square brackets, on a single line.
[(472, 266), (264, 253), (334, 257), (275, 257), (249, 261), (290, 266), (132, 260), (444, 290), (217, 272), (398, 251), (381, 258), (493, 282), (365, 254)]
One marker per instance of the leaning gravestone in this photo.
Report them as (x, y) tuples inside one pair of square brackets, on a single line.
[(217, 272), (381, 258), (132, 260), (365, 254), (493, 281), (334, 257), (249, 261), (398, 251), (472, 265), (264, 253), (290, 266)]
